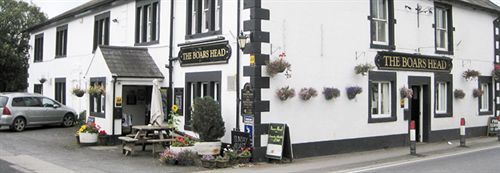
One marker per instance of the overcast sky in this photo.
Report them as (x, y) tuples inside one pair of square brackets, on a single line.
[(54, 7)]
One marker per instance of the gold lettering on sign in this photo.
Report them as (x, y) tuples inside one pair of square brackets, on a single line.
[(406, 62)]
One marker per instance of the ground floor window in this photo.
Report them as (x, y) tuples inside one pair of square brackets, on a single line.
[(97, 101), (382, 97), (60, 90), (38, 88), (200, 85), (443, 95), (485, 100)]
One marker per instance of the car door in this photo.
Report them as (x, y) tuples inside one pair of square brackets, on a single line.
[(33, 110), (52, 109)]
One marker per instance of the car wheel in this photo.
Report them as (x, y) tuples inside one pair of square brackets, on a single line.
[(18, 125), (68, 120)]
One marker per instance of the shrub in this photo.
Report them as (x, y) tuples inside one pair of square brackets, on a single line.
[(207, 119), (353, 91), (285, 93), (307, 93), (459, 94)]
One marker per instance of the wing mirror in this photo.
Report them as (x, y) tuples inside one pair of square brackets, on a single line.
[(56, 106)]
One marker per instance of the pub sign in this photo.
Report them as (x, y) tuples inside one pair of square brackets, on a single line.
[(412, 62), (212, 53)]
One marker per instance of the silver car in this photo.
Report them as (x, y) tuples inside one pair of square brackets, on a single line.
[(18, 110)]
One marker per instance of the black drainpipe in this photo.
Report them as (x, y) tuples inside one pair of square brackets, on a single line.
[(171, 58), (238, 69), (114, 112)]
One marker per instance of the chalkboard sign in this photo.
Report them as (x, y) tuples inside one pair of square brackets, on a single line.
[(240, 140), (492, 126), (276, 138)]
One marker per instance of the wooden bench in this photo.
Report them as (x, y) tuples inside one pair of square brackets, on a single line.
[(128, 145), (158, 144)]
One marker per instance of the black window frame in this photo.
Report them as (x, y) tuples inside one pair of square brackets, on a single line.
[(391, 27), (489, 81), (100, 107), (211, 21), (38, 88), (61, 41), (38, 48), (449, 28), (100, 21), (60, 90), (386, 77), (448, 79), (140, 27), (197, 78)]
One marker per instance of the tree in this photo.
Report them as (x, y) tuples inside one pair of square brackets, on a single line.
[(15, 17)]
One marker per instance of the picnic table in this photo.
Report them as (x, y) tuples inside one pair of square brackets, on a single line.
[(156, 135)]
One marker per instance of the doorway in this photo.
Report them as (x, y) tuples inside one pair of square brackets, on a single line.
[(419, 106), (136, 105)]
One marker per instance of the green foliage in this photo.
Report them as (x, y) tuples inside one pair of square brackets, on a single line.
[(207, 119), (16, 17), (186, 158)]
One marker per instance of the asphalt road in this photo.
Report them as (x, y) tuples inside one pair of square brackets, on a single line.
[(42, 148), (484, 161)]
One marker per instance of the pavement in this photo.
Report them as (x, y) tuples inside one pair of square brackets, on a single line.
[(371, 160)]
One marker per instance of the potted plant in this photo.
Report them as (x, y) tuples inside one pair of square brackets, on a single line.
[(78, 92), (363, 68), (168, 157), (331, 93), (244, 155), (406, 93), (208, 124), (96, 90), (222, 162), (232, 155), (285, 93), (477, 93), (496, 74), (353, 91), (307, 93), (88, 133), (186, 158), (459, 94), (103, 137), (470, 74), (278, 66), (182, 143), (208, 161)]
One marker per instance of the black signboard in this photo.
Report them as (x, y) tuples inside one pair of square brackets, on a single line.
[(240, 140), (492, 126), (247, 100), (278, 142), (412, 62), (213, 53)]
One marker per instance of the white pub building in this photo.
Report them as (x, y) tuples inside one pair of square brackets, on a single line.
[(192, 47)]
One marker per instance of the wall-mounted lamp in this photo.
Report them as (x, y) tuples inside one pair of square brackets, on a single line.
[(242, 40)]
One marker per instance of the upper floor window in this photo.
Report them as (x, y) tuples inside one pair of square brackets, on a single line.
[(61, 41), (204, 18), (147, 21), (382, 24), (101, 30), (38, 53), (443, 29)]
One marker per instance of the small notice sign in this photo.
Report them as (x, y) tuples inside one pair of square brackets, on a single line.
[(240, 140), (275, 141), (493, 126)]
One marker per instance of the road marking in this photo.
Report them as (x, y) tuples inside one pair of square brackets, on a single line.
[(25, 162), (404, 162)]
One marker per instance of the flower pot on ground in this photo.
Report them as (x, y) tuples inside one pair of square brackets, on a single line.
[(285, 93), (331, 93), (88, 133), (244, 155), (168, 157), (353, 91), (182, 143), (232, 155), (470, 74), (208, 161), (307, 93), (222, 162), (186, 158), (459, 94), (103, 138), (208, 124)]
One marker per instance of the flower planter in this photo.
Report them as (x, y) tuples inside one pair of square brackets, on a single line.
[(79, 94), (178, 150), (208, 164), (103, 140), (222, 164), (244, 159), (208, 148), (88, 138)]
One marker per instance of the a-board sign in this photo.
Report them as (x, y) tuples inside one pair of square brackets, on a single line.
[(276, 136), (240, 140), (492, 126)]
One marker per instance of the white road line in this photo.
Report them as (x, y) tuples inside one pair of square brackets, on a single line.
[(25, 162), (404, 162)]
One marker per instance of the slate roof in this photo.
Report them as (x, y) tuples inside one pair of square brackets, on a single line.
[(130, 62), (482, 4)]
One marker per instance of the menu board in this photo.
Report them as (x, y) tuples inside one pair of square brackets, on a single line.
[(492, 126), (276, 136), (240, 140)]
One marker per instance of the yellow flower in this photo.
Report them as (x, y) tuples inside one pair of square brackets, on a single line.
[(175, 108)]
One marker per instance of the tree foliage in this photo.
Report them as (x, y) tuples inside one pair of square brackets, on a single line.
[(207, 119), (15, 17)]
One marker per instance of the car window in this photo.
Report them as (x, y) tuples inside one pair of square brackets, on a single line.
[(3, 101), (18, 102), (32, 102), (48, 102)]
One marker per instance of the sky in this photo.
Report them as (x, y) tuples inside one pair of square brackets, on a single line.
[(54, 7)]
